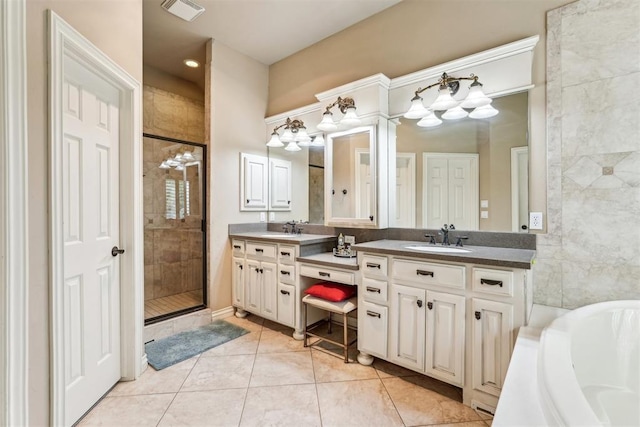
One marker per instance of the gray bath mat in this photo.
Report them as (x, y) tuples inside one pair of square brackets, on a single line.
[(168, 351)]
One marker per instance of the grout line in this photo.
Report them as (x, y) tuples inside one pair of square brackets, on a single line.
[(392, 401), (246, 393), (315, 385)]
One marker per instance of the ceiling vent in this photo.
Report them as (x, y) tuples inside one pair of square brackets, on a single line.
[(184, 9)]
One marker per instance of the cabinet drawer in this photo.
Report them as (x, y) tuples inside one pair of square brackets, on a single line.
[(287, 274), (373, 323), (489, 281), (286, 254), (429, 273), (286, 304), (327, 274), (374, 265), (374, 290), (261, 250), (238, 247)]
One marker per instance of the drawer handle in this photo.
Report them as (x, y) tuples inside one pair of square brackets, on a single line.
[(373, 265), (323, 274), (372, 289), (373, 314), (285, 253), (424, 273), (283, 292), (237, 247), (259, 250), (491, 282), (287, 273)]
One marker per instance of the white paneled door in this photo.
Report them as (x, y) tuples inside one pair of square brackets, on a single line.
[(91, 230)]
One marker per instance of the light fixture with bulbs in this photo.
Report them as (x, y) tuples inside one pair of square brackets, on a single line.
[(179, 160), (294, 134), (453, 109), (348, 107)]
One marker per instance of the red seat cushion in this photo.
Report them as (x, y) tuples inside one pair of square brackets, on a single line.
[(331, 291)]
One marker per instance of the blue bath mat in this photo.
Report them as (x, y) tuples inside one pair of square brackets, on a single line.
[(168, 351)]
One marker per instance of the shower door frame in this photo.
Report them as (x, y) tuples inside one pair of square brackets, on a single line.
[(203, 229)]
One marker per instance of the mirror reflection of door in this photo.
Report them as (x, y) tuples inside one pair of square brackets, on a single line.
[(451, 190), (520, 189), (363, 183), (405, 207)]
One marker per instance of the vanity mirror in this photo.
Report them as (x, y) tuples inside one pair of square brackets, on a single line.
[(350, 177), (471, 173)]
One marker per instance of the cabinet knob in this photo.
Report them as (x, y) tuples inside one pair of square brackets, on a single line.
[(240, 267), (419, 302), (478, 315), (430, 305)]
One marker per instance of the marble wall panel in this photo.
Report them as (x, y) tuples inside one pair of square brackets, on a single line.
[(601, 116), (591, 51), (589, 282), (592, 250)]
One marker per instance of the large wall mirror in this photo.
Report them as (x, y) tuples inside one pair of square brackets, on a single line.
[(469, 172)]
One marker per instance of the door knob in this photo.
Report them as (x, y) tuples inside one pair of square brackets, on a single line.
[(115, 251)]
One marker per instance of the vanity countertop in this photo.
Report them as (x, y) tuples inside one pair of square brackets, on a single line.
[(276, 237), (327, 259), (501, 257)]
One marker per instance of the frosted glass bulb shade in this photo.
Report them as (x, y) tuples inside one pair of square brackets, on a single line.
[(455, 113), (327, 123), (318, 141), (275, 142), (180, 167), (483, 112), (292, 146), (287, 136), (350, 117), (429, 121), (164, 165), (444, 101), (302, 137), (178, 157), (188, 156), (475, 98), (172, 162), (417, 110)]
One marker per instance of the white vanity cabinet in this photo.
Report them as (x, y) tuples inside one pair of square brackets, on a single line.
[(456, 322), (261, 288)]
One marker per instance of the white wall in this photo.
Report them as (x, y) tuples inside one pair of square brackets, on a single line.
[(238, 89), (592, 251)]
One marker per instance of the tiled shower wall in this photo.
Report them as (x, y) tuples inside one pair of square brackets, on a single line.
[(592, 250)]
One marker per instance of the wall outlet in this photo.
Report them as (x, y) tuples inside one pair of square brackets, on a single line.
[(484, 203), (535, 220), (484, 214), (350, 240), (263, 216), (272, 216)]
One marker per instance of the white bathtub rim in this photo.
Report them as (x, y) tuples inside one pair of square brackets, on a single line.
[(561, 398)]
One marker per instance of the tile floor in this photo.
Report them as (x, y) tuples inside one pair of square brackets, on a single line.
[(267, 378), (172, 303)]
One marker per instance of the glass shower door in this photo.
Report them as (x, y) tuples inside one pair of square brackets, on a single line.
[(174, 188)]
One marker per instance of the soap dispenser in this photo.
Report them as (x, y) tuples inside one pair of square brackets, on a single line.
[(340, 243)]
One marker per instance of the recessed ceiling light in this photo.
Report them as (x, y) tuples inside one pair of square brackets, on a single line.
[(191, 63)]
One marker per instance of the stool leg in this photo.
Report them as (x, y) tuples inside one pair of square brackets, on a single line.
[(345, 339), (329, 323), (304, 325)]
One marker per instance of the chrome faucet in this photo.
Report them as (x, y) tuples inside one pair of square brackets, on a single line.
[(432, 238), (296, 228), (444, 231)]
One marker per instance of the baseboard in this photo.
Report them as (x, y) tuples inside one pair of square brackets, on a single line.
[(222, 313), (144, 363)]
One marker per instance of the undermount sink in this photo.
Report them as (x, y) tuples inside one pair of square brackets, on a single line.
[(281, 236), (437, 249)]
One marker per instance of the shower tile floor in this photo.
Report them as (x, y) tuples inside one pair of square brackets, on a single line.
[(172, 303), (267, 378)]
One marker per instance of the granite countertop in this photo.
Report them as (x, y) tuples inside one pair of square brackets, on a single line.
[(276, 237), (327, 259), (502, 257)]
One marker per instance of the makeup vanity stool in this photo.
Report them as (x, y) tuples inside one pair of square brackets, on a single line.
[(342, 307)]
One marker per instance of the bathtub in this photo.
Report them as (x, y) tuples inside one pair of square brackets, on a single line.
[(589, 366)]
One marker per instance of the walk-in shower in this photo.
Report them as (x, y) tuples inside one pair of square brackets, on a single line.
[(174, 188)]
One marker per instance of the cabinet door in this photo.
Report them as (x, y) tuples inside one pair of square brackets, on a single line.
[(269, 306), (280, 181), (237, 289), (445, 337), (407, 332), (253, 178), (252, 286), (492, 344), (286, 304), (372, 329)]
